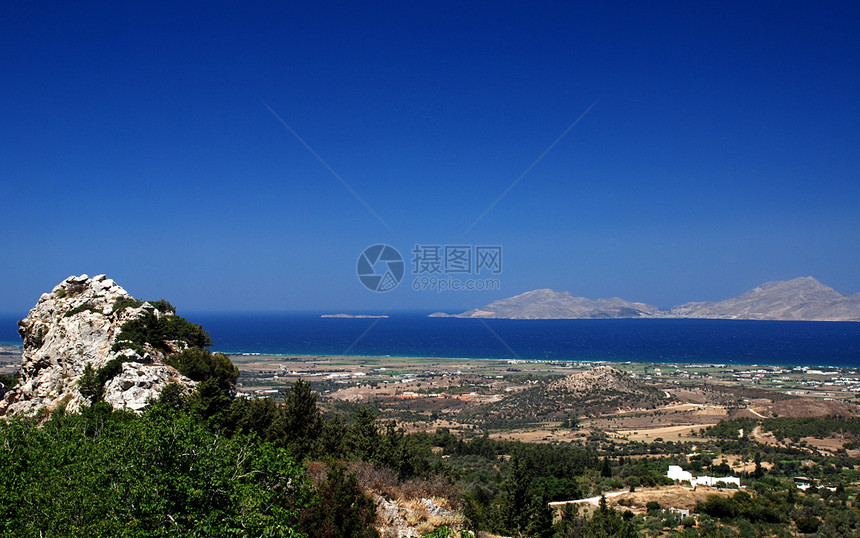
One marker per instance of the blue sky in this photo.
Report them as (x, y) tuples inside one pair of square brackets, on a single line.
[(720, 150)]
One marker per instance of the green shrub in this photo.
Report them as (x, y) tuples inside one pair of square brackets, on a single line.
[(9, 381), (808, 524), (158, 332), (201, 364), (85, 307), (92, 383), (163, 305), (109, 473), (126, 302)]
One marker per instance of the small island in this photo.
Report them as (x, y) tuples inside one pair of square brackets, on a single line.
[(355, 316)]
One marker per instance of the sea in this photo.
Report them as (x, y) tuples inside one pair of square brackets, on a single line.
[(414, 334)]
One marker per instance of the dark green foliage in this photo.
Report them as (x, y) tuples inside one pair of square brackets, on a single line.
[(820, 428), (446, 532), (571, 422), (104, 473), (515, 498), (91, 385), (764, 508), (718, 506), (340, 509), (789, 428), (215, 375), (10, 381), (159, 332), (201, 364), (363, 439), (126, 302), (728, 429), (606, 468), (85, 307), (162, 305), (210, 400), (300, 423), (540, 523), (296, 425), (607, 521), (808, 524)]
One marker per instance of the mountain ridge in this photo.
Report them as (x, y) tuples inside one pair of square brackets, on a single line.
[(798, 299)]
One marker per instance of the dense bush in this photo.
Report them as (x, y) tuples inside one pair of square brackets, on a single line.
[(159, 332), (103, 473), (201, 364), (162, 305)]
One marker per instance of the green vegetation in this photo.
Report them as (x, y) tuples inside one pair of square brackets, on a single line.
[(162, 305), (211, 464), (789, 428), (188, 467), (104, 473), (159, 332), (92, 383), (85, 307), (795, 428), (10, 381), (126, 302)]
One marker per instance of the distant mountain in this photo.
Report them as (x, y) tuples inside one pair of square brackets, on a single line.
[(799, 299), (549, 304)]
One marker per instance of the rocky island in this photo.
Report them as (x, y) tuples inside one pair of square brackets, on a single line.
[(800, 299)]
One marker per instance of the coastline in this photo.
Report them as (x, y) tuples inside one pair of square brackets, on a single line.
[(568, 363)]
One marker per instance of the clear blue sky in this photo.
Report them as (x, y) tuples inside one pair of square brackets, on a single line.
[(721, 150)]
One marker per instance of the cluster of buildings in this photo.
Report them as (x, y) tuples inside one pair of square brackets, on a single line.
[(675, 472)]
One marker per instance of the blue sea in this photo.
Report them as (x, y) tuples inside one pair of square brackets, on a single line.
[(413, 334)]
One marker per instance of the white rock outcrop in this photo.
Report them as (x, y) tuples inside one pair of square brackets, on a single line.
[(73, 326)]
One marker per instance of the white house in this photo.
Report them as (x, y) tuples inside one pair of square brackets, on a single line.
[(675, 472), (713, 481)]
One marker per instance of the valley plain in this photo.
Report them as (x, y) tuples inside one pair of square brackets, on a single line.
[(514, 399)]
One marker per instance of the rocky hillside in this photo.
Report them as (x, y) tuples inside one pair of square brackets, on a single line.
[(600, 390), (604, 379), (76, 325)]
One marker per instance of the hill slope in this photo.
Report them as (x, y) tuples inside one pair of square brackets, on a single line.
[(602, 389)]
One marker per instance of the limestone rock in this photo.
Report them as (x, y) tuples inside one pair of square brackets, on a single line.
[(138, 383), (76, 325)]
